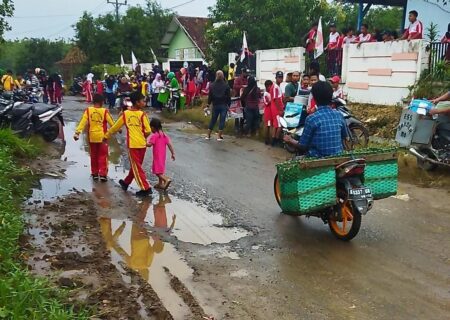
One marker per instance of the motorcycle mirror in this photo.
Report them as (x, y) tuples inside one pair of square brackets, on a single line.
[(283, 122)]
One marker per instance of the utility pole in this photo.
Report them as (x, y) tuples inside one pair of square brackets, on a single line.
[(117, 6)]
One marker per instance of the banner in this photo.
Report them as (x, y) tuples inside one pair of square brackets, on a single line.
[(319, 41)]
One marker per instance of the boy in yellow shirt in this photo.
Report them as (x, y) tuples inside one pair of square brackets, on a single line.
[(97, 119), (8, 81), (138, 129)]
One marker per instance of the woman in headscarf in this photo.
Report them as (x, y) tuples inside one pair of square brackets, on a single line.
[(157, 85), (220, 98)]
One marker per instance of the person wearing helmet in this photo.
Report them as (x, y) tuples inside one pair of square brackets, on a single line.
[(173, 82)]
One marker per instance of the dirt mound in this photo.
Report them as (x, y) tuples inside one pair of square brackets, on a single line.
[(382, 121)]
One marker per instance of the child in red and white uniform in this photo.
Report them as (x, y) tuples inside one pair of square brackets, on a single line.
[(277, 107), (349, 36), (364, 36), (415, 29), (267, 99)]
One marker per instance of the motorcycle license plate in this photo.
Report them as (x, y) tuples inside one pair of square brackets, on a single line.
[(360, 193)]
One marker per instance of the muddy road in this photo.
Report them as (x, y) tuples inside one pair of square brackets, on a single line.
[(217, 246)]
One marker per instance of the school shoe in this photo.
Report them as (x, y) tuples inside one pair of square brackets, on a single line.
[(123, 185), (95, 177), (144, 193), (103, 178), (220, 139)]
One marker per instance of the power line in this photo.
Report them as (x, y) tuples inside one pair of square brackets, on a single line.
[(47, 16), (180, 5)]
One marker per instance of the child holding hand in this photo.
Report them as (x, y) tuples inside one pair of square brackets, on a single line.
[(96, 118), (160, 141)]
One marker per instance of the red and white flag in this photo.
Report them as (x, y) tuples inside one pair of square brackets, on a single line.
[(319, 41), (245, 52)]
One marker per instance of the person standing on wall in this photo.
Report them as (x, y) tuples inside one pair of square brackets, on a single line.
[(415, 29), (332, 50), (310, 40)]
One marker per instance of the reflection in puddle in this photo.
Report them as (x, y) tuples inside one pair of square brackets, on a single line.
[(191, 223), (147, 254), (77, 174)]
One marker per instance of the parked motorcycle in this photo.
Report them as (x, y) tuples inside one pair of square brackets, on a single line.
[(26, 118), (353, 200), (77, 87), (295, 114), (426, 136)]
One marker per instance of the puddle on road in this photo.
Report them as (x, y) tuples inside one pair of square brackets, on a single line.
[(145, 253), (77, 174)]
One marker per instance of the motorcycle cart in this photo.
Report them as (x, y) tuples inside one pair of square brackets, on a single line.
[(339, 190), (418, 131)]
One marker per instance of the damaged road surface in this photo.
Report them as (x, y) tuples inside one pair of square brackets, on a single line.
[(216, 246)]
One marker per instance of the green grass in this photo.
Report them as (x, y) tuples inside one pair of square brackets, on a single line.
[(22, 296)]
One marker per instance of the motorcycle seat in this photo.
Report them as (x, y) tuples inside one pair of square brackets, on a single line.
[(21, 109), (40, 108)]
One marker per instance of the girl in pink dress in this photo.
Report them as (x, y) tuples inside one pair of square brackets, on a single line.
[(160, 142)]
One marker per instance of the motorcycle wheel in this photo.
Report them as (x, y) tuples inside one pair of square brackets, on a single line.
[(346, 227), (426, 165), (277, 189), (360, 135), (50, 132)]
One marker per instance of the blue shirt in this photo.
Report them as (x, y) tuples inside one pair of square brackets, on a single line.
[(110, 90), (323, 133)]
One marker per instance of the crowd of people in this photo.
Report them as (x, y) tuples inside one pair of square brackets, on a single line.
[(193, 82), (52, 85), (337, 40)]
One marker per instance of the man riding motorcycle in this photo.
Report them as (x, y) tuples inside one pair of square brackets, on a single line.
[(325, 130)]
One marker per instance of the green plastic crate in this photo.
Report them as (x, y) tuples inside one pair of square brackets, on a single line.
[(306, 190), (382, 178)]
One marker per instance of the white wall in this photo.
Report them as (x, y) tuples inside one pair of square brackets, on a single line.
[(431, 11), (380, 73), (268, 62)]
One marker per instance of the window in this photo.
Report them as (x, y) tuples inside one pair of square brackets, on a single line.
[(178, 54)]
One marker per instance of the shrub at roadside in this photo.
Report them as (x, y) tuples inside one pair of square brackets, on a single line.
[(22, 296)]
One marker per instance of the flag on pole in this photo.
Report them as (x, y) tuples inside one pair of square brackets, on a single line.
[(245, 51), (319, 41), (122, 62), (155, 60), (134, 61)]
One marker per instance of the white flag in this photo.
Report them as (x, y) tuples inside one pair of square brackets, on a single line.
[(319, 41), (155, 60), (122, 63), (244, 48), (134, 61)]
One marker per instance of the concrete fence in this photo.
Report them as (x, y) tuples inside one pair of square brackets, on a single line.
[(380, 73)]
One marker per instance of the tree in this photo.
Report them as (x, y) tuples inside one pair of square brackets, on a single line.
[(6, 10), (282, 23), (103, 39), (31, 53)]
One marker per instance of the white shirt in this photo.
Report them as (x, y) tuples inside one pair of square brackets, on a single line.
[(415, 27), (364, 38), (333, 38), (348, 40), (267, 98)]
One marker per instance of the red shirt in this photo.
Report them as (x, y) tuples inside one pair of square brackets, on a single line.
[(415, 30), (311, 46)]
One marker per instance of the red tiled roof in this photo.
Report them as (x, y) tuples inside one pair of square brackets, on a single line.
[(196, 29)]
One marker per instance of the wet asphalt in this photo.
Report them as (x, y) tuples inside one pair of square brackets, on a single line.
[(283, 267)]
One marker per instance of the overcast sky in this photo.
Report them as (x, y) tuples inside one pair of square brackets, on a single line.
[(54, 18)]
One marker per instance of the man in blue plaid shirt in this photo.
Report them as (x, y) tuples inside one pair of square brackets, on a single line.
[(325, 130)]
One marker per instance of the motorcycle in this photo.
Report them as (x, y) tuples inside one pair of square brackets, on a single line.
[(123, 101), (295, 114), (426, 136), (26, 118), (173, 103), (77, 87), (353, 200)]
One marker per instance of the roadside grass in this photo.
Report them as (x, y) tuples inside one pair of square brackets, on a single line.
[(22, 296)]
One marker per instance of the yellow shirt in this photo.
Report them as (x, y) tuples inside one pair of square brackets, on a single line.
[(8, 82), (138, 128), (144, 85), (97, 120), (19, 84), (231, 73)]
